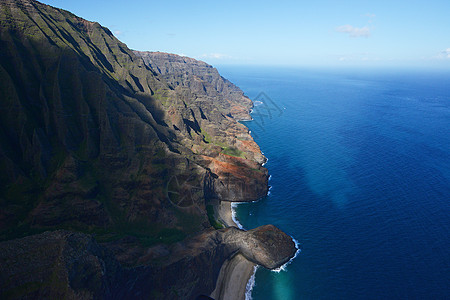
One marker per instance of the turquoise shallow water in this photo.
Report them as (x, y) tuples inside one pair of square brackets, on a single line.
[(360, 165)]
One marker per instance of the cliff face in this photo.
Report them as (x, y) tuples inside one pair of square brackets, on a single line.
[(93, 136), (64, 264), (200, 82), (127, 146), (230, 152), (84, 141)]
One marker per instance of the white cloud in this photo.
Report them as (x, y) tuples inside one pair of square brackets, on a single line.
[(117, 32), (354, 31), (371, 17), (358, 57), (444, 54), (215, 56)]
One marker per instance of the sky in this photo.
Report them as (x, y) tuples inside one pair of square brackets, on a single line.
[(363, 33)]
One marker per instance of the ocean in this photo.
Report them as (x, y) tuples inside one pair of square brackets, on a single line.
[(360, 177)]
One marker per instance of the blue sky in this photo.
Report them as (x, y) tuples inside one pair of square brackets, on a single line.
[(289, 33)]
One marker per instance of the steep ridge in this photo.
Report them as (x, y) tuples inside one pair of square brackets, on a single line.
[(125, 146), (199, 82), (80, 123), (232, 154)]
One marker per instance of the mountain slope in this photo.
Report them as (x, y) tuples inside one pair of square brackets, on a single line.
[(91, 135), (126, 146)]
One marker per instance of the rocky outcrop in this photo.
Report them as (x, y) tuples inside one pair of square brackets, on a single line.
[(237, 179), (267, 245), (63, 264)]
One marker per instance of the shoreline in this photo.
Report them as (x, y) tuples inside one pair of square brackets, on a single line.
[(236, 271)]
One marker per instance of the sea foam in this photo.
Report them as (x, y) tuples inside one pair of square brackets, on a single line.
[(233, 215), (265, 162), (251, 284)]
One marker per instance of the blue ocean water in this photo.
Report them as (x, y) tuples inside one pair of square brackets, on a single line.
[(360, 165)]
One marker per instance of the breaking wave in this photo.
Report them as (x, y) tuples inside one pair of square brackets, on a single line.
[(233, 215), (250, 284)]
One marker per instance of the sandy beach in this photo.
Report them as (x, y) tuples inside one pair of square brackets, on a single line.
[(224, 214), (236, 271)]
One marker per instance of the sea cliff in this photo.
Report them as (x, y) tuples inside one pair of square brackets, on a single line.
[(110, 159)]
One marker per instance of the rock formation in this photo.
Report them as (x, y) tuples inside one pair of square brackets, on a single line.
[(64, 264), (127, 147)]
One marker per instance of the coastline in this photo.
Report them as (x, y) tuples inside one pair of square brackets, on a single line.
[(236, 271)]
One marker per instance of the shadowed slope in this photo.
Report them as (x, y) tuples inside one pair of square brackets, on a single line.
[(99, 140)]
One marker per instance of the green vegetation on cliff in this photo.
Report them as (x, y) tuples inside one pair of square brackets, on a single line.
[(232, 151), (212, 219)]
